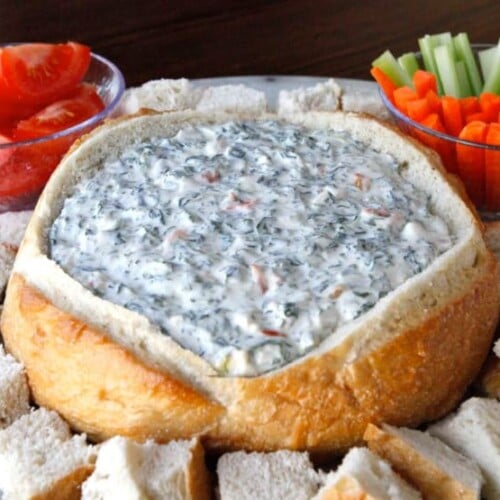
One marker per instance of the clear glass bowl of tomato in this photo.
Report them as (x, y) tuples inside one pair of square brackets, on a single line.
[(31, 147)]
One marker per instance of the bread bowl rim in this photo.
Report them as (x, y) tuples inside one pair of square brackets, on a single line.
[(468, 255)]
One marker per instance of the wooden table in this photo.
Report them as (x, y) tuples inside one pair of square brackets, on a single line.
[(152, 39)]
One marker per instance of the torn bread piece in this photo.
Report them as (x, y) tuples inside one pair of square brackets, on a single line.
[(232, 99), (363, 475), (127, 470), (159, 95), (14, 392), (365, 101), (12, 227), (39, 459), (324, 96), (7, 257), (424, 461), (261, 476), (474, 431)]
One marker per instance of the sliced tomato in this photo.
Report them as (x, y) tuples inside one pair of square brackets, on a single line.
[(40, 73), (61, 115), (5, 151)]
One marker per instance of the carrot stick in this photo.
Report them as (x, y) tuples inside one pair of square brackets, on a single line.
[(490, 105), (470, 161), (434, 101), (442, 147), (477, 117), (423, 81), (469, 105), (402, 95), (418, 109), (386, 84), (452, 115), (492, 169)]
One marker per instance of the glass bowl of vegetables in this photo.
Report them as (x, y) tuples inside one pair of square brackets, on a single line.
[(50, 94), (447, 96)]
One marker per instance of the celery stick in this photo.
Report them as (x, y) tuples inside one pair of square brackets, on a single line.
[(463, 78), (408, 62), (441, 39), (492, 83), (388, 64), (486, 60), (464, 52), (427, 50), (445, 61)]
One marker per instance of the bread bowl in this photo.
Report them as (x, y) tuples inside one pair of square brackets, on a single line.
[(109, 370)]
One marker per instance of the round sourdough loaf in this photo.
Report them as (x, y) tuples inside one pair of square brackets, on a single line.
[(109, 371)]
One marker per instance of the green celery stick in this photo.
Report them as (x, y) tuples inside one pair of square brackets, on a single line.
[(441, 39), (492, 83), (408, 62), (463, 78), (486, 60), (445, 61), (427, 50), (388, 64), (464, 52)]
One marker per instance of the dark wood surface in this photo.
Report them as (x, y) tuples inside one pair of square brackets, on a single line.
[(152, 39)]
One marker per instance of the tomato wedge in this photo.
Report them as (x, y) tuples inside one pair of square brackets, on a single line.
[(39, 73), (5, 152), (61, 115)]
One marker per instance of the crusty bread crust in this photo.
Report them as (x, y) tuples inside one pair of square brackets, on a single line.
[(68, 487), (488, 382), (109, 371), (412, 466)]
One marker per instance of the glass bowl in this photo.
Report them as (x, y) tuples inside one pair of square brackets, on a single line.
[(477, 164), (25, 166)]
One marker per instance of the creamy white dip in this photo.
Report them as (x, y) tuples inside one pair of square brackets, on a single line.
[(248, 243)]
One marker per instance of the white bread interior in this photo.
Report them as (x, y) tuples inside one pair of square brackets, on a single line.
[(474, 431), (262, 476), (324, 96), (14, 392), (127, 470), (364, 475), (40, 459), (232, 99), (164, 94), (434, 468)]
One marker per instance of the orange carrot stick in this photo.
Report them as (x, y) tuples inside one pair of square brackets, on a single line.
[(452, 115), (471, 161), (402, 95), (492, 169), (469, 105), (434, 101), (418, 109), (423, 81), (386, 84), (442, 147), (490, 105)]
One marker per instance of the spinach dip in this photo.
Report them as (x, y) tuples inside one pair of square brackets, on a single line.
[(247, 242)]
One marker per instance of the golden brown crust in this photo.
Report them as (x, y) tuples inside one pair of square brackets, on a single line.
[(96, 385), (320, 405), (431, 481), (410, 361), (197, 477), (68, 487), (346, 488), (489, 380)]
